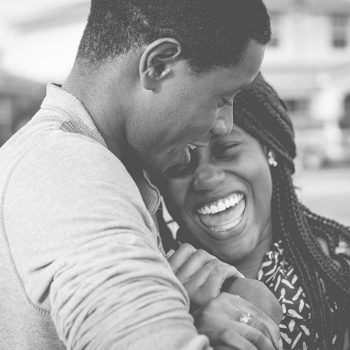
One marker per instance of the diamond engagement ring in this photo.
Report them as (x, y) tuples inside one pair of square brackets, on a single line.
[(245, 318)]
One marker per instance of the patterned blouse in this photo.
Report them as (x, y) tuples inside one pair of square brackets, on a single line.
[(279, 276)]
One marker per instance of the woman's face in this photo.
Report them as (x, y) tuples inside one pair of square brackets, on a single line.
[(223, 197)]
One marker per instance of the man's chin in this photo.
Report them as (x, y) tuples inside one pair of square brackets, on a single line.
[(158, 165), (145, 161), (162, 170), (153, 168), (161, 164)]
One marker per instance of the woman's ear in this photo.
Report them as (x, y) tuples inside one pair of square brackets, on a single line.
[(157, 62), (270, 156)]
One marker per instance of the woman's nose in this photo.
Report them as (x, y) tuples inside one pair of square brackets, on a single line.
[(207, 176)]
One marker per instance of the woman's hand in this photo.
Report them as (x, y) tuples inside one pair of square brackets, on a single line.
[(258, 294), (203, 276), (220, 320), (201, 273)]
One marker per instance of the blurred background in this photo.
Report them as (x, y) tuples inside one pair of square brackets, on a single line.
[(307, 61)]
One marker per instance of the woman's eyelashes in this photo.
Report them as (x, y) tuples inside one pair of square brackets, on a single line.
[(218, 151), (225, 150)]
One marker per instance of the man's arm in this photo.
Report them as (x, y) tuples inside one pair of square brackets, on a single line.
[(85, 248)]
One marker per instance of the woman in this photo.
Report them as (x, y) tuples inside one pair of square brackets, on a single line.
[(236, 200)]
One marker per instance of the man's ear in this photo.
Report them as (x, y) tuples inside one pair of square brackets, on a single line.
[(157, 61)]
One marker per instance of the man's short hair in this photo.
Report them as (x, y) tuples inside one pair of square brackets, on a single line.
[(211, 32)]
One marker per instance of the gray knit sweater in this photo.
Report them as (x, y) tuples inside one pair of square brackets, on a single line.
[(80, 266)]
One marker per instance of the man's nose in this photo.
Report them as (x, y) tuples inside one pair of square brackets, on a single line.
[(224, 123), (207, 177)]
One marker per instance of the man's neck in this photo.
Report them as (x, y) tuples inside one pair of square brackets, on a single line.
[(108, 122)]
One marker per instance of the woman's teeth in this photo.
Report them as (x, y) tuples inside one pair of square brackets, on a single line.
[(220, 205), (223, 214)]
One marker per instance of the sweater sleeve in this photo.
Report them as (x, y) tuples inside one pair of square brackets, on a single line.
[(85, 249)]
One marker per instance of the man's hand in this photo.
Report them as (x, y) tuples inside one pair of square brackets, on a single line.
[(201, 273), (220, 321)]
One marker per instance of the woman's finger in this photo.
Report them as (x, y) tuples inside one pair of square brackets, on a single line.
[(251, 320), (206, 283), (271, 326), (230, 339), (219, 320), (219, 273), (197, 261), (169, 253), (253, 335), (261, 321), (199, 291), (180, 256), (254, 322)]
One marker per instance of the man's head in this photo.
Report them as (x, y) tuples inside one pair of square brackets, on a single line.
[(211, 32), (174, 67)]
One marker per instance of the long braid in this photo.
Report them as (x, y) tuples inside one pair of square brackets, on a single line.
[(260, 112), (289, 222), (332, 231)]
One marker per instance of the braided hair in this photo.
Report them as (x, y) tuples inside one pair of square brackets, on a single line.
[(260, 112)]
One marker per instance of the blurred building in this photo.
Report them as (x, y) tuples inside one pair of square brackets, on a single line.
[(19, 100), (308, 61), (40, 41), (38, 44)]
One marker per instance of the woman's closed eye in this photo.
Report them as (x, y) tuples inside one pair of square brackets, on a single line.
[(225, 150)]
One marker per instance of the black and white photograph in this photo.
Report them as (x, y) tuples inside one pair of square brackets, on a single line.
[(175, 174)]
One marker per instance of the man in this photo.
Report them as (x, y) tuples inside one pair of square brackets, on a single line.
[(81, 266)]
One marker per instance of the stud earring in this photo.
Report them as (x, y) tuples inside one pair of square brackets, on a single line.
[(271, 159)]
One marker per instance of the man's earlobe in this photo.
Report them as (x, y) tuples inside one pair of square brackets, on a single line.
[(157, 61)]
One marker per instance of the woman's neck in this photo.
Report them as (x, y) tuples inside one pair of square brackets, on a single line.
[(250, 265)]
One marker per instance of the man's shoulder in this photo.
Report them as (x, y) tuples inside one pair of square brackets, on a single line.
[(76, 154), (54, 155)]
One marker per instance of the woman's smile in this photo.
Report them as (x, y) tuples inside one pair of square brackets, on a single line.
[(222, 216)]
